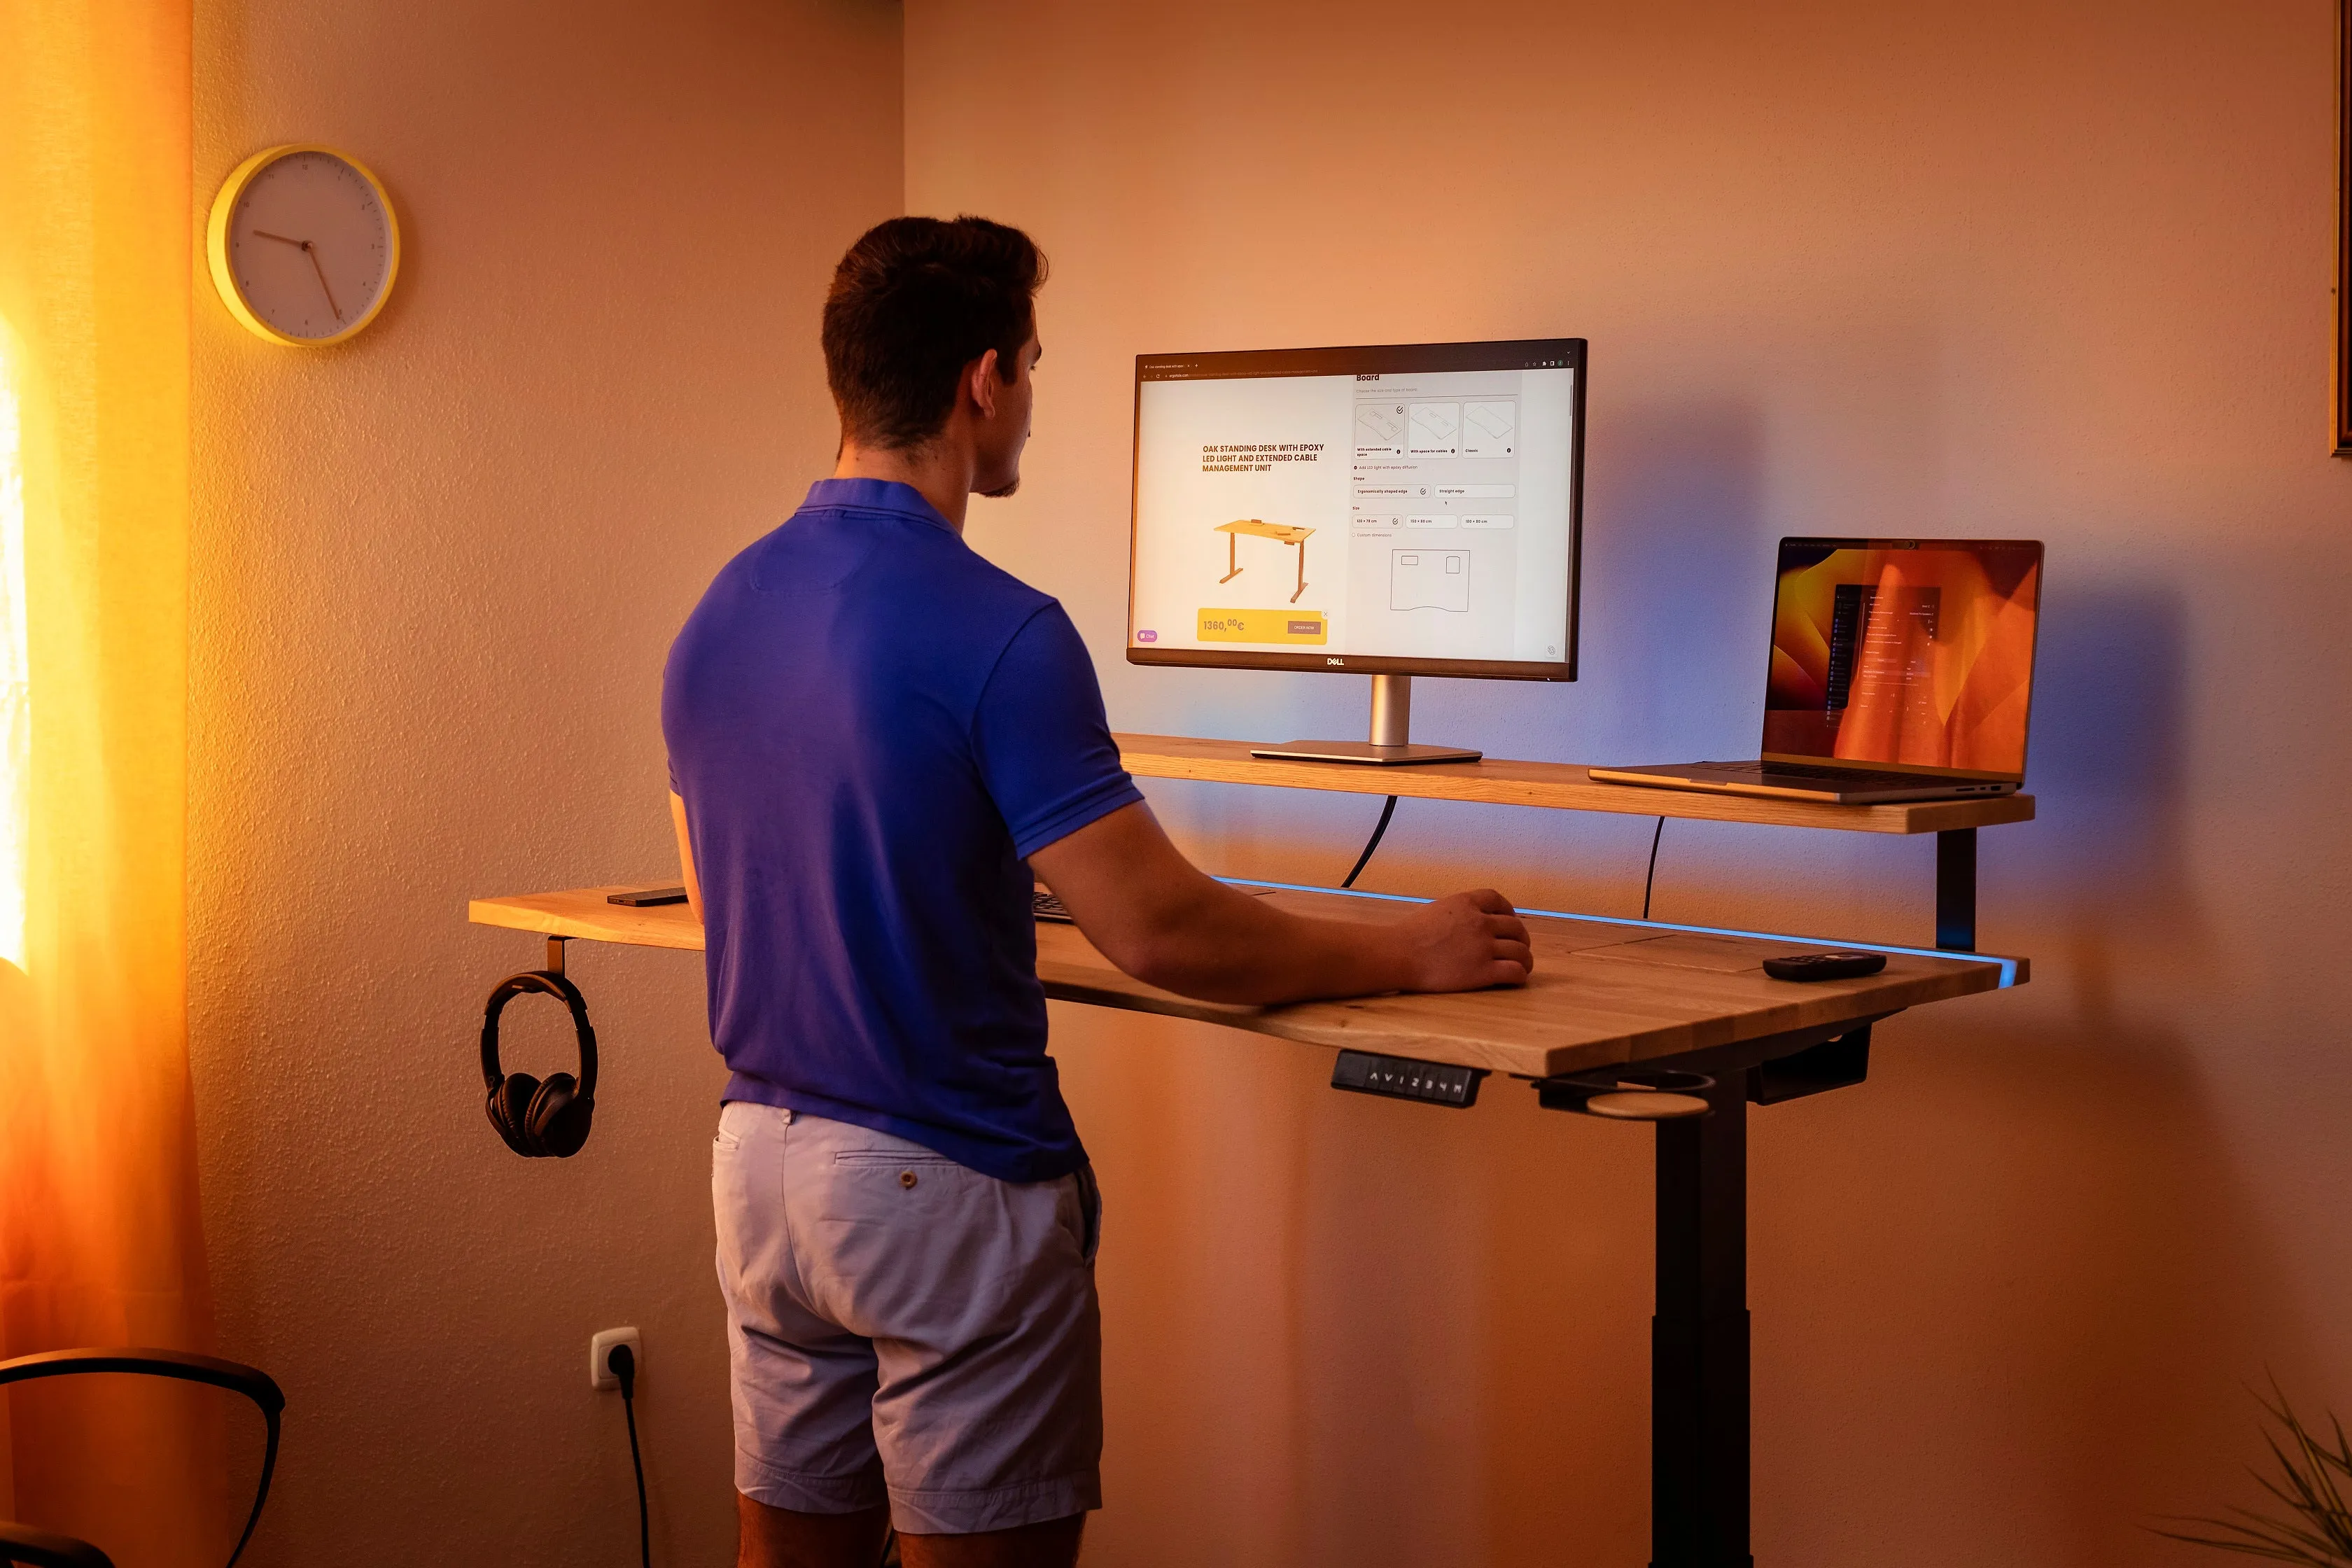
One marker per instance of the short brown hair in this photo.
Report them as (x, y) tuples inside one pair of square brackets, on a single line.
[(915, 300)]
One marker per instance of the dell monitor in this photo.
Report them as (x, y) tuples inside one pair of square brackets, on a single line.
[(1412, 509)]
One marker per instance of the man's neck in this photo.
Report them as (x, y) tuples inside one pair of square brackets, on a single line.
[(942, 473)]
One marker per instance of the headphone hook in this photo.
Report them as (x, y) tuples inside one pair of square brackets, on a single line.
[(555, 954)]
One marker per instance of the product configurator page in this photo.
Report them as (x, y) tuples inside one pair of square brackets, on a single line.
[(1423, 513)]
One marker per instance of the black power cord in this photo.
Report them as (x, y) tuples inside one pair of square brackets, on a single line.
[(1649, 880), (1365, 859), (624, 1362)]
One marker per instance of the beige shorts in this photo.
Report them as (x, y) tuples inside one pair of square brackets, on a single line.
[(902, 1327)]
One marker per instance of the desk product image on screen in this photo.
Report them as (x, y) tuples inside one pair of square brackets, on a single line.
[(1438, 489)]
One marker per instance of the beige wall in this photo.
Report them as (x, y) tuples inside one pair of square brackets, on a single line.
[(2013, 268), (435, 574)]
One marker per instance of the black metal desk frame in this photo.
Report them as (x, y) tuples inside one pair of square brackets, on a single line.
[(1699, 1337)]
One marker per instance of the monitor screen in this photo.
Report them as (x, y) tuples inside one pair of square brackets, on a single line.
[(1410, 509), (1914, 654)]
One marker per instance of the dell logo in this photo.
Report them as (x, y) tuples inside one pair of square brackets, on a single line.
[(1337, 663)]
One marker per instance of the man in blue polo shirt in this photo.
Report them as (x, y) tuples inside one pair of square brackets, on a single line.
[(876, 738)]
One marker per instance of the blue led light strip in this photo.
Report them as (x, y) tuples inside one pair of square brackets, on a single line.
[(2007, 966)]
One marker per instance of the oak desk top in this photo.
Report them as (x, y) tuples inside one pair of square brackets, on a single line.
[(1605, 992), (1290, 533), (1560, 785)]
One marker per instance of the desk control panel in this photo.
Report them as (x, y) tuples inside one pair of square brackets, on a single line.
[(1403, 1078)]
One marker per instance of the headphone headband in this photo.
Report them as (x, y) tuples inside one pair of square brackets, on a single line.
[(548, 982)]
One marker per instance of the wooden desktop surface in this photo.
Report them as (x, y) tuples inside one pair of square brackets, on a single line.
[(1604, 994), (1560, 785), (1288, 533)]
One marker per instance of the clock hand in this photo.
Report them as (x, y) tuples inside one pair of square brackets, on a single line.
[(265, 233), (312, 252)]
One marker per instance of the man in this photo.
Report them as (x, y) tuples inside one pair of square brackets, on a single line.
[(875, 738)]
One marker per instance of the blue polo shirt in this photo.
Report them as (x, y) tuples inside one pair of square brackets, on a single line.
[(872, 729)]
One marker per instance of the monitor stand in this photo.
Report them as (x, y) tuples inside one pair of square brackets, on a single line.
[(1392, 721)]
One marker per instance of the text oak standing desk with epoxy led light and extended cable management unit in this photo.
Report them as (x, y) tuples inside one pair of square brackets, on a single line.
[(1637, 1020)]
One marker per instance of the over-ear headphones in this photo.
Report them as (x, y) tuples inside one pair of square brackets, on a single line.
[(540, 1120)]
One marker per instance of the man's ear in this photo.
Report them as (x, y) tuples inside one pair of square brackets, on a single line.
[(981, 382)]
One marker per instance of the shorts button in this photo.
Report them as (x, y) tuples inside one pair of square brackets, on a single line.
[(906, 1178)]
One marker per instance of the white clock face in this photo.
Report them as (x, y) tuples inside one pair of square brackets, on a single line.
[(311, 246)]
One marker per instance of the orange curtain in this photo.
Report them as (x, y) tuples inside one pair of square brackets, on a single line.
[(100, 1240)]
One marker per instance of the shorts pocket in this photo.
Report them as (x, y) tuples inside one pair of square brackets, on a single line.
[(892, 1185), (736, 1118), (1089, 1213)]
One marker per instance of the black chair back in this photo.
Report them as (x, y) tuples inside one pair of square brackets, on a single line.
[(21, 1544)]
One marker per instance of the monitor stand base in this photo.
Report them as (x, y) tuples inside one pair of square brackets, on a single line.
[(1361, 752), (1388, 748)]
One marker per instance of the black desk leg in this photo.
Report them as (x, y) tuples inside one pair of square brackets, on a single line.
[(1955, 890), (1698, 1341)]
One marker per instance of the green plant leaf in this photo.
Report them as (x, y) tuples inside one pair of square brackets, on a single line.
[(2316, 1528)]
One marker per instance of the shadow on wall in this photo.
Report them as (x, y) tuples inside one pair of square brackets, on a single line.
[(2104, 764), (1674, 602), (2016, 1277)]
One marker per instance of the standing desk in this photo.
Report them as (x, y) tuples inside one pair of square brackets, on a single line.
[(1613, 1005), (1282, 532)]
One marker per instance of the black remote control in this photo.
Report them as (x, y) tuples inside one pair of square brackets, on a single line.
[(1833, 965)]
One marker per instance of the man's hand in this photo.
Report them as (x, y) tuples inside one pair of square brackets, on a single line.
[(1154, 915), (1467, 941)]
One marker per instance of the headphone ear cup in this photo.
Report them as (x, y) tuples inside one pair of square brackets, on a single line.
[(558, 1117), (510, 1107)]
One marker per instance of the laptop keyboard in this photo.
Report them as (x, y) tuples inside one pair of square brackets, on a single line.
[(1807, 770)]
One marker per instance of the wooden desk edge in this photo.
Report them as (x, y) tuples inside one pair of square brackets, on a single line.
[(581, 914), (559, 914), (1561, 786)]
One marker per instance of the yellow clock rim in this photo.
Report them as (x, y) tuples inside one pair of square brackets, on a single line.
[(216, 243)]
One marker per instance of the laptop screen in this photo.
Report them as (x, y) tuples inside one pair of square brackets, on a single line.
[(1909, 653)]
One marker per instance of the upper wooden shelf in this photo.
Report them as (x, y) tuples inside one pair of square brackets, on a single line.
[(1562, 786)]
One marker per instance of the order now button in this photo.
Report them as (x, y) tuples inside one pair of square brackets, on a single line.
[(1265, 626)]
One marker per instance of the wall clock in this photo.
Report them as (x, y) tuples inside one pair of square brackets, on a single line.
[(303, 245)]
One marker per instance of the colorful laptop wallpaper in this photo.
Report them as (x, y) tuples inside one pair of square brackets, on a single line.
[(1905, 655)]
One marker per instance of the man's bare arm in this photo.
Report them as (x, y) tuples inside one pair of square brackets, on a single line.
[(686, 855), (1157, 916)]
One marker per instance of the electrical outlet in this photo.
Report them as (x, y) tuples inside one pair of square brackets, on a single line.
[(600, 1375)]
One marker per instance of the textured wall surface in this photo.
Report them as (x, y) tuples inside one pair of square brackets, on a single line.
[(2053, 270), (435, 574)]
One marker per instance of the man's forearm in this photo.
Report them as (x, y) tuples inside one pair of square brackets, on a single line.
[(1158, 918), (1226, 946)]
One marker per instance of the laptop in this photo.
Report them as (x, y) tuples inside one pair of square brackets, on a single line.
[(1900, 669)]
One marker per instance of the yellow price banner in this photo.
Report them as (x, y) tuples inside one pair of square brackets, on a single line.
[(1265, 627)]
